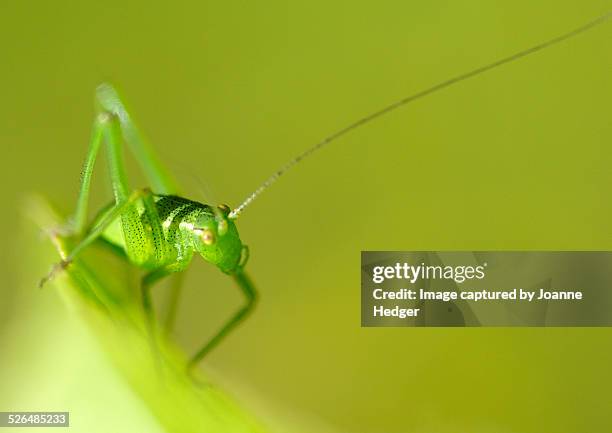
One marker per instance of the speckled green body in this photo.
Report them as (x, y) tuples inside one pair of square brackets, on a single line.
[(166, 234)]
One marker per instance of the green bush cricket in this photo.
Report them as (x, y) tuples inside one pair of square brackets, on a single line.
[(160, 232)]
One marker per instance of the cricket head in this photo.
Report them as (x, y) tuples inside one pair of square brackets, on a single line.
[(216, 239)]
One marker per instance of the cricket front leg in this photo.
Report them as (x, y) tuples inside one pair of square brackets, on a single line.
[(175, 293), (248, 289), (153, 277), (148, 281)]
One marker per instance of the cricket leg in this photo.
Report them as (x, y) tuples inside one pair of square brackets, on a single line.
[(143, 245), (161, 180), (111, 106), (175, 294), (138, 243), (92, 235), (79, 218), (144, 242), (147, 283), (248, 289), (105, 126)]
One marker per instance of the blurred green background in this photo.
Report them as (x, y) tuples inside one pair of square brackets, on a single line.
[(229, 91)]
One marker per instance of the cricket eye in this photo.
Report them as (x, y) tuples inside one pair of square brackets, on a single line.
[(224, 208), (207, 236)]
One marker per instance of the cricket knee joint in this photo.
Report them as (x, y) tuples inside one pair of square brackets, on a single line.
[(109, 101), (252, 299), (104, 117)]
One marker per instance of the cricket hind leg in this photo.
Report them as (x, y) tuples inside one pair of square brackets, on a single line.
[(144, 241), (110, 106), (159, 177), (141, 243), (109, 101)]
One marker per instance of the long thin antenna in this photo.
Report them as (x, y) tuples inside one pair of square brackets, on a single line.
[(442, 85)]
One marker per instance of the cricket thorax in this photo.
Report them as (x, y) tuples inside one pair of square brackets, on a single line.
[(190, 226)]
